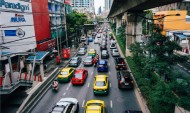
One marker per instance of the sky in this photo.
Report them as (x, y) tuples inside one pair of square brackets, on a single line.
[(97, 4)]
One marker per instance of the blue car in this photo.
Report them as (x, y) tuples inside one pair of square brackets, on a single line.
[(102, 66), (90, 39)]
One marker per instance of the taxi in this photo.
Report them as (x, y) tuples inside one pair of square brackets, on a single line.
[(100, 84), (92, 52), (66, 74), (95, 106)]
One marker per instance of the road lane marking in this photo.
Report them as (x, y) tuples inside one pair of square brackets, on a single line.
[(83, 103), (68, 86), (179, 65), (110, 84), (64, 94), (88, 84), (109, 72), (91, 73), (109, 64), (111, 103)]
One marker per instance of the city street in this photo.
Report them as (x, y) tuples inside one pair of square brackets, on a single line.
[(117, 101)]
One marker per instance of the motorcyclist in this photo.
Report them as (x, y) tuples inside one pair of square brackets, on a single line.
[(55, 84), (97, 57)]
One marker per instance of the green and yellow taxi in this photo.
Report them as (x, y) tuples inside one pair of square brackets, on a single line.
[(66, 74), (95, 106), (101, 85), (92, 52)]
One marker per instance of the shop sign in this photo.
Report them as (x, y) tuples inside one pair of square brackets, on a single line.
[(46, 45), (17, 6), (18, 18)]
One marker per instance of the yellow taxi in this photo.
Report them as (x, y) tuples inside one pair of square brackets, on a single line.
[(92, 52), (101, 85), (66, 74), (95, 106)]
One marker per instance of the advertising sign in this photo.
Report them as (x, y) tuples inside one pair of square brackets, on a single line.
[(46, 45), (15, 5), (18, 39), (15, 19), (68, 2)]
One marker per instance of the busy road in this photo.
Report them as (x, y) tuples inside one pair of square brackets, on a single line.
[(117, 100)]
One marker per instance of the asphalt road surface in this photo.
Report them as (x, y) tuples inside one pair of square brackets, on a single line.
[(117, 101)]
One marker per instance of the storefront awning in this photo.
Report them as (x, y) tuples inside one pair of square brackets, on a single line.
[(181, 36), (39, 56)]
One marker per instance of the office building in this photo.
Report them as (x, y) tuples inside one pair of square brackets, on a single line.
[(83, 6), (99, 10)]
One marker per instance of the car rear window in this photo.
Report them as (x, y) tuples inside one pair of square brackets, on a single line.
[(78, 75), (100, 83)]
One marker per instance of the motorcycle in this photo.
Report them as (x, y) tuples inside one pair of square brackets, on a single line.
[(95, 62), (55, 87)]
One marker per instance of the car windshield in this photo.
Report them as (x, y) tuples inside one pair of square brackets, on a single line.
[(91, 50), (81, 48), (57, 109), (64, 73), (104, 52), (115, 50), (78, 75), (75, 58), (100, 83), (94, 104)]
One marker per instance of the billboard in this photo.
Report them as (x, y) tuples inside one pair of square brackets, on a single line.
[(68, 2), (15, 5), (15, 19), (18, 39)]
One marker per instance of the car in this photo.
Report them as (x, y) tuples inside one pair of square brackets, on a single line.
[(96, 41), (98, 35), (120, 64), (66, 74), (125, 80), (79, 77), (113, 41), (102, 66), (88, 61), (104, 38), (75, 61), (95, 106), (101, 85), (113, 46), (115, 53), (90, 39), (66, 105), (91, 52), (104, 54), (82, 51), (103, 46), (83, 38)]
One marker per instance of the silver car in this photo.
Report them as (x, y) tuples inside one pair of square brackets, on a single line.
[(88, 61), (113, 46), (66, 105), (82, 51), (115, 53)]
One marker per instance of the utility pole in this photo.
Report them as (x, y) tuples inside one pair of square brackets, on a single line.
[(65, 27)]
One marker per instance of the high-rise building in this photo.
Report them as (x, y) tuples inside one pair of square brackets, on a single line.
[(83, 6), (99, 10), (108, 4)]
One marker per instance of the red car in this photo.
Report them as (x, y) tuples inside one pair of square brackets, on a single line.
[(79, 77)]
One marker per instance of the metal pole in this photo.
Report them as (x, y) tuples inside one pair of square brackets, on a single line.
[(57, 38), (33, 67), (66, 28)]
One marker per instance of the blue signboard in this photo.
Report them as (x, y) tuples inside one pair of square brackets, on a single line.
[(10, 32)]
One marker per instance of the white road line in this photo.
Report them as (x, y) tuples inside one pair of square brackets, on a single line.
[(110, 84), (64, 94), (83, 103), (88, 85), (111, 103), (68, 86), (91, 73), (109, 72), (109, 64), (179, 65)]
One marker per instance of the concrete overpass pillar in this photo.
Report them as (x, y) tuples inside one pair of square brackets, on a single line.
[(118, 23)]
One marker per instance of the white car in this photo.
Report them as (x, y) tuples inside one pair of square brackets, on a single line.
[(113, 41), (66, 105), (115, 53), (96, 41), (98, 35), (82, 38), (82, 51), (113, 46)]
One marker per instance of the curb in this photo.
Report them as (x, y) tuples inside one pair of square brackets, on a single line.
[(140, 99)]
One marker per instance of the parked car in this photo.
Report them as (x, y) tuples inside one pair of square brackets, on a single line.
[(75, 61), (79, 76), (120, 64), (125, 80), (102, 66), (88, 61), (83, 38), (101, 85), (66, 105), (82, 51), (115, 53), (104, 54), (95, 106), (113, 46), (66, 74)]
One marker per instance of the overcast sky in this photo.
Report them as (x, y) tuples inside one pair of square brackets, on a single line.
[(97, 4)]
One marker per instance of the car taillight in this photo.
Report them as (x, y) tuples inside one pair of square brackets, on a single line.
[(123, 62)]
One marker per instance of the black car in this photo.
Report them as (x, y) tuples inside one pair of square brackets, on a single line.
[(104, 54), (120, 64), (125, 80), (103, 46)]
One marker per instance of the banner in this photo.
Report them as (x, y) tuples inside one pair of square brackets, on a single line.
[(68, 2)]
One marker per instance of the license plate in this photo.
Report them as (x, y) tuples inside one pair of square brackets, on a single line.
[(126, 83)]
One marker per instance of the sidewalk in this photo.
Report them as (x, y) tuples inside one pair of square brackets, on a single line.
[(52, 65)]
